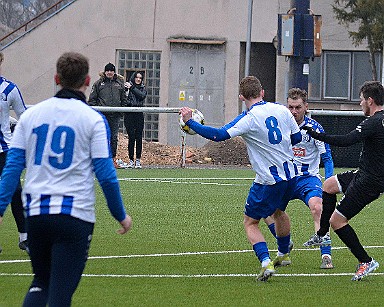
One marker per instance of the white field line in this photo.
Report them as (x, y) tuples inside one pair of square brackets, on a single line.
[(213, 253), (187, 254), (189, 275), (198, 275), (191, 181), (189, 178)]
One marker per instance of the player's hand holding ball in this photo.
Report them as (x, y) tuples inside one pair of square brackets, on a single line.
[(187, 113)]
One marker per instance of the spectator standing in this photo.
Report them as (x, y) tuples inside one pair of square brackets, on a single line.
[(134, 121), (109, 91), (61, 155), (11, 98)]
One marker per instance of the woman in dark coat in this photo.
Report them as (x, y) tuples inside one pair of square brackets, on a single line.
[(134, 121)]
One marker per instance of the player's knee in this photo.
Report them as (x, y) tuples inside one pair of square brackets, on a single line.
[(330, 186), (248, 221), (316, 210), (337, 220), (315, 204), (281, 218), (269, 220)]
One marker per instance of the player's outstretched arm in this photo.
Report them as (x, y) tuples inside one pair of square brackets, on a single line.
[(106, 175), (210, 133), (351, 138)]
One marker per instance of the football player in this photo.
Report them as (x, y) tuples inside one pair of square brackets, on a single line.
[(269, 131), (10, 97), (62, 142)]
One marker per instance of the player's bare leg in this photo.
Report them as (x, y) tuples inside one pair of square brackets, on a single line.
[(256, 238)]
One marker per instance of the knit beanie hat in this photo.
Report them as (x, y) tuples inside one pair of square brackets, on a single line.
[(109, 67)]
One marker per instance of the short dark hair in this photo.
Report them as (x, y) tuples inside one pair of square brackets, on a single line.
[(297, 93), (72, 69), (250, 87), (373, 89)]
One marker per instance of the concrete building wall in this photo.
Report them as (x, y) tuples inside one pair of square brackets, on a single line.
[(99, 28)]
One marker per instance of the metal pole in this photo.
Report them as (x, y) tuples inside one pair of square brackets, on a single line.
[(298, 65), (183, 149), (382, 67), (249, 38)]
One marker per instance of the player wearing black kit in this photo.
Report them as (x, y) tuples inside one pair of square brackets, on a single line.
[(360, 187)]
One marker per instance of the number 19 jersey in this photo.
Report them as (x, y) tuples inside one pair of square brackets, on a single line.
[(60, 138)]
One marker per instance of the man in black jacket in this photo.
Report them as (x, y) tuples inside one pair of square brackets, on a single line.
[(360, 187), (109, 91)]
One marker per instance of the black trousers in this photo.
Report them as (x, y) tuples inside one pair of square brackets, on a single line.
[(134, 124), (113, 122), (58, 247), (17, 203)]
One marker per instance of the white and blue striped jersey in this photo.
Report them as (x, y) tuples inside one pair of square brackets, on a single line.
[(60, 138), (10, 97), (266, 129), (308, 151)]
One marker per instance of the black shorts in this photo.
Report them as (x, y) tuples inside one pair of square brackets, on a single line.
[(359, 190)]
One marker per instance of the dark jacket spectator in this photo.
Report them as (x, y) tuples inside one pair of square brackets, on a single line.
[(134, 121), (136, 93), (109, 91)]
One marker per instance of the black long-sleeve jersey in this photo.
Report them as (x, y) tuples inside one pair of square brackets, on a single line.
[(371, 133)]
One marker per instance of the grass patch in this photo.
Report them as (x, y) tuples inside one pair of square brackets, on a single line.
[(188, 248)]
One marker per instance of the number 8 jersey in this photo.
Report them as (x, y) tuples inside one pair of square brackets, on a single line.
[(60, 138), (267, 128)]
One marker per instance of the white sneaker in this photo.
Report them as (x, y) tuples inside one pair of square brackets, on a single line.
[(131, 164), (326, 262), (138, 165), (121, 163)]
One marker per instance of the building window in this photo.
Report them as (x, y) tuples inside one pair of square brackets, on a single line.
[(147, 62), (339, 75), (336, 75)]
